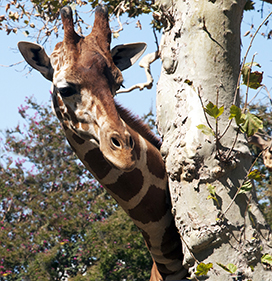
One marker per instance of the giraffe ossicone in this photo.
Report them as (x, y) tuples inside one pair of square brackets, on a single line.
[(118, 149)]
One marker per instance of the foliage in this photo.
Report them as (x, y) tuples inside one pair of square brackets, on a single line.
[(252, 79), (213, 110), (55, 218), (203, 269), (40, 19), (266, 258), (264, 181)]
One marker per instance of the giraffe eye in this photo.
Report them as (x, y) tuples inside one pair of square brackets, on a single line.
[(67, 91)]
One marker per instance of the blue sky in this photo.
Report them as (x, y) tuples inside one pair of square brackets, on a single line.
[(16, 84)]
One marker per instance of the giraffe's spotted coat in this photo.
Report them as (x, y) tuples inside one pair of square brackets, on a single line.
[(117, 148)]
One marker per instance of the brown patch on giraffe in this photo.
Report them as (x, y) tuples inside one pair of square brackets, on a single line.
[(59, 115), (128, 184), (57, 110), (155, 167), (76, 125), (152, 207), (163, 270), (73, 148), (60, 102), (171, 246), (85, 126), (77, 139), (146, 238), (97, 162), (72, 115)]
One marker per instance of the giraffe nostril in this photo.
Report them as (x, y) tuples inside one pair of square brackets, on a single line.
[(115, 142), (131, 142)]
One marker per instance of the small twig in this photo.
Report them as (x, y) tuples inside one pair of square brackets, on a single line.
[(262, 86), (245, 105), (206, 117), (233, 199), (11, 65), (216, 125)]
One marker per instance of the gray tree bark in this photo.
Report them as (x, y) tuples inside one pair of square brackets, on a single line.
[(201, 56)]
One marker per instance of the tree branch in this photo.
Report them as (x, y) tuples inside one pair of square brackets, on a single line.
[(145, 63), (267, 1)]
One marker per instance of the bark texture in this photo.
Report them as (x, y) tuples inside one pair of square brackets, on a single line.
[(201, 54)]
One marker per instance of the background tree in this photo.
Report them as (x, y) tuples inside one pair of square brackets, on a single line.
[(55, 219), (215, 209)]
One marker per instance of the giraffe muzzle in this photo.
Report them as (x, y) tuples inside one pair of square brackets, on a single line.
[(118, 150)]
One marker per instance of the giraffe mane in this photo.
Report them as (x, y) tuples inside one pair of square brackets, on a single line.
[(138, 125)]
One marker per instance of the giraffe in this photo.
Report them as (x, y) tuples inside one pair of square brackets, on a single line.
[(117, 148)]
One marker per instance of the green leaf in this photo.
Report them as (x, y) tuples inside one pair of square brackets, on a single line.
[(232, 267), (255, 175), (247, 186), (213, 110), (253, 79), (252, 124), (205, 129), (203, 269), (211, 189), (266, 258), (236, 112)]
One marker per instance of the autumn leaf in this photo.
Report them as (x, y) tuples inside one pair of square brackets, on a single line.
[(252, 79)]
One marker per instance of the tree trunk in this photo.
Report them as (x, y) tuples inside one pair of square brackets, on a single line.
[(201, 56)]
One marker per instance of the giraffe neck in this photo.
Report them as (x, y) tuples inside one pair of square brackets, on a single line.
[(142, 192)]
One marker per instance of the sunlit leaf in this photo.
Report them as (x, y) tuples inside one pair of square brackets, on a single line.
[(266, 258), (232, 267), (236, 112), (247, 186), (213, 110), (203, 269), (252, 124), (205, 129), (211, 189), (252, 79), (255, 175)]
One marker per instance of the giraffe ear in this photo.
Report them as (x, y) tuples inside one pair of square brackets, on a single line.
[(36, 57), (126, 55)]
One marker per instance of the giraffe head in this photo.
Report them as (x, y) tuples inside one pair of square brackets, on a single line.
[(85, 75)]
